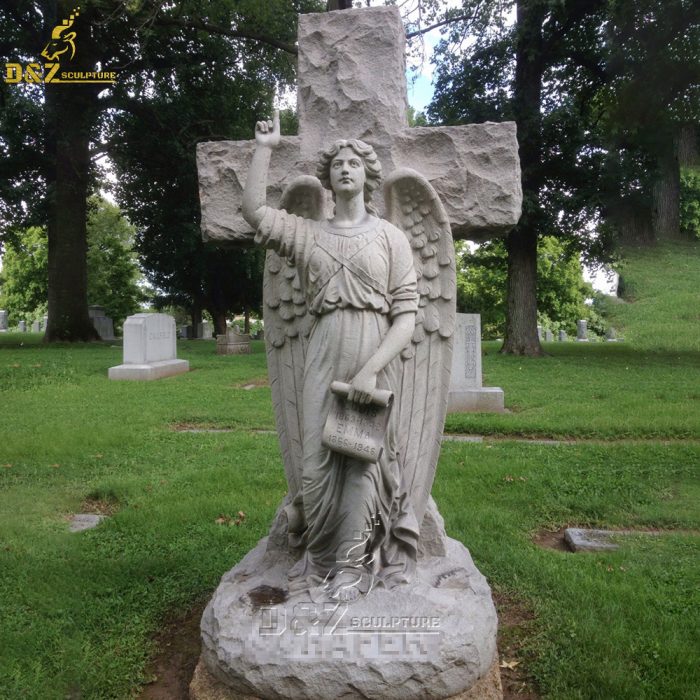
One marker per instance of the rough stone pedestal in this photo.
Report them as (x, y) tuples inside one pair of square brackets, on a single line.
[(434, 637)]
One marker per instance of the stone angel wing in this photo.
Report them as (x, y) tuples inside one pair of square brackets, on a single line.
[(413, 206), (286, 329)]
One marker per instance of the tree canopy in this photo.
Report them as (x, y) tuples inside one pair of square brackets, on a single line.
[(53, 133), (113, 274)]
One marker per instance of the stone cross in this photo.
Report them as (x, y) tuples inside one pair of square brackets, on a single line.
[(352, 84)]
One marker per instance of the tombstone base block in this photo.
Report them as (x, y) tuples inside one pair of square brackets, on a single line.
[(488, 399), (429, 639), (205, 687), (147, 372)]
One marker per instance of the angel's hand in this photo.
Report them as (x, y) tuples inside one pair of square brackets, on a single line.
[(267, 133), (362, 386)]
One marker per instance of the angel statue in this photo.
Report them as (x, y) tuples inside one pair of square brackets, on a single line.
[(368, 302)]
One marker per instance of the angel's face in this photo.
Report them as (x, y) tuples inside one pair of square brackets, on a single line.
[(347, 173)]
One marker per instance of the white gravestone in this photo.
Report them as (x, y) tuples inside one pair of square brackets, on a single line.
[(548, 336), (467, 393), (149, 349), (3, 321), (562, 336), (36, 327), (22, 325)]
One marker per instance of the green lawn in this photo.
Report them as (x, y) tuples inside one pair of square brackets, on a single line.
[(78, 613)]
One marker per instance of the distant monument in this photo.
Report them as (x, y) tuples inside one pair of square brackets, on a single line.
[(3, 321), (102, 323), (357, 581), (233, 342)]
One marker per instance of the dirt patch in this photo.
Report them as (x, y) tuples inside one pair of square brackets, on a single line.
[(188, 427), (99, 506), (515, 623), (252, 384), (552, 540), (178, 653)]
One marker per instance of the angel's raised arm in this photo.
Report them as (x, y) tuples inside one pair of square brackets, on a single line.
[(267, 137)]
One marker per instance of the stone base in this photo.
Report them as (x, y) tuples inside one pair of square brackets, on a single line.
[(488, 399), (154, 370), (205, 687), (233, 348), (429, 639)]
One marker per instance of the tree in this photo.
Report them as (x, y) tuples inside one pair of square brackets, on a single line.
[(561, 289), (113, 274), (23, 278), (540, 71), (110, 33), (650, 109)]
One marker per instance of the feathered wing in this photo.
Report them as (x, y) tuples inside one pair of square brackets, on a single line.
[(286, 330), (413, 206)]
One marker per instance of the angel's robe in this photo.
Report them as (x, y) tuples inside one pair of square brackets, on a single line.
[(355, 281)]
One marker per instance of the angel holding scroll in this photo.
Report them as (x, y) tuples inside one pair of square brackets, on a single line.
[(369, 302)]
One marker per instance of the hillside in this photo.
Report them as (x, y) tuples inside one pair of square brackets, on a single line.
[(660, 308)]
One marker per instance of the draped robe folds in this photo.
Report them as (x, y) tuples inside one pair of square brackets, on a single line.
[(354, 513)]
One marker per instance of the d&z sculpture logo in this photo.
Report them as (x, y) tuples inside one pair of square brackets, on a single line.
[(61, 47)]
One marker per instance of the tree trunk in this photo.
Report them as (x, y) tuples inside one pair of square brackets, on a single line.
[(219, 317), (688, 152), (521, 312), (666, 197), (521, 244), (71, 111)]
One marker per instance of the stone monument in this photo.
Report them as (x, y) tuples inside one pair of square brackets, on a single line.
[(467, 393), (22, 326), (582, 331), (150, 349), (233, 342), (36, 326), (102, 323), (357, 591), (3, 321), (204, 331)]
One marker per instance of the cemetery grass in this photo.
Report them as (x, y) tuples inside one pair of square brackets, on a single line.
[(79, 613)]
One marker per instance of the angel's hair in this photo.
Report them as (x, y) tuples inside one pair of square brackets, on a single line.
[(373, 168)]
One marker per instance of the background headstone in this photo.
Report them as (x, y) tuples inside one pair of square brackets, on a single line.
[(22, 325), (539, 332), (582, 331), (3, 321), (611, 335), (103, 324), (150, 349), (36, 327), (204, 330), (467, 392), (562, 336), (548, 336), (233, 342)]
